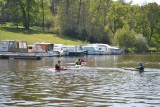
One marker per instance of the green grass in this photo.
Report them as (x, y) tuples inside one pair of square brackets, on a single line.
[(33, 36)]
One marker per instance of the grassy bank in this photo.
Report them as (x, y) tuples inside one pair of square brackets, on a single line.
[(32, 36)]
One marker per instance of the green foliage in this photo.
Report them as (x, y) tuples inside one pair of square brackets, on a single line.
[(141, 44), (104, 21), (117, 16), (125, 38), (71, 32)]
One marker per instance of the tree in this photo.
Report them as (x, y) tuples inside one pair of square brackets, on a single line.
[(148, 21), (117, 16), (141, 44), (153, 20), (23, 9), (125, 37), (2, 11), (42, 15)]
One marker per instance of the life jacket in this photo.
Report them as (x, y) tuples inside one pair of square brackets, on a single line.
[(82, 60), (78, 62), (141, 68)]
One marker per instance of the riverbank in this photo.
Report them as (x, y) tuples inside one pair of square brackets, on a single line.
[(31, 36)]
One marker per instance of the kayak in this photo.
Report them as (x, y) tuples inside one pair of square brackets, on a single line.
[(78, 66), (83, 63), (132, 69), (62, 69)]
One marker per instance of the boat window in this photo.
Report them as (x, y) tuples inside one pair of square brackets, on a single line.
[(12, 44), (4, 42), (24, 44), (38, 47), (4, 48), (89, 48), (96, 48), (29, 47)]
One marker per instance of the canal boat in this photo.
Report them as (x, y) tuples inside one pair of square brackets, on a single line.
[(108, 50), (71, 50), (15, 49), (57, 50), (93, 50), (46, 49)]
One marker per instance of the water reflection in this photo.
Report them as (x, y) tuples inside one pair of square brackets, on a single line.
[(23, 83)]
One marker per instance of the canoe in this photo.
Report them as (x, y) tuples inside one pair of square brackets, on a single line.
[(132, 69), (78, 66)]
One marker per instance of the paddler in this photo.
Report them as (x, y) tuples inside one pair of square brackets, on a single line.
[(83, 61), (141, 69), (58, 66), (78, 62)]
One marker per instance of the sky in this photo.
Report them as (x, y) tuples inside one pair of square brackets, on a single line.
[(142, 2)]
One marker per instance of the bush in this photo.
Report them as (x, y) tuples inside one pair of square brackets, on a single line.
[(141, 44), (125, 38), (71, 32)]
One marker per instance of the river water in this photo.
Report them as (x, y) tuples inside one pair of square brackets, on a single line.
[(103, 82)]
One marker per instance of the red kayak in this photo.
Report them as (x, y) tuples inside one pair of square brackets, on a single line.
[(62, 69)]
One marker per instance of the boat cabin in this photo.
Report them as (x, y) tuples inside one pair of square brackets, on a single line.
[(35, 49), (45, 46), (13, 46), (93, 50)]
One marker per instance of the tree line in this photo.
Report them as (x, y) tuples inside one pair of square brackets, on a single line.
[(97, 21)]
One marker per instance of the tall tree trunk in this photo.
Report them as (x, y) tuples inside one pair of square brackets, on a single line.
[(84, 17), (67, 7), (17, 15), (79, 10), (42, 15), (28, 10), (24, 13)]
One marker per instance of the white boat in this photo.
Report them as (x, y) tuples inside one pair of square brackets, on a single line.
[(71, 50), (116, 50), (57, 50), (102, 47), (108, 49), (93, 50)]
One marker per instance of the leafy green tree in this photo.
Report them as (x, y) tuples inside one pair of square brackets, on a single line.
[(2, 11), (125, 37), (153, 20), (147, 22), (141, 44), (97, 20), (117, 16)]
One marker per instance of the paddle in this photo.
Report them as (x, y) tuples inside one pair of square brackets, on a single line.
[(132, 69)]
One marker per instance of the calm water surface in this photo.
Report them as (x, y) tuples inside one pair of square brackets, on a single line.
[(102, 83)]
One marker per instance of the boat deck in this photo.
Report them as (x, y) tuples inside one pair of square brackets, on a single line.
[(19, 56)]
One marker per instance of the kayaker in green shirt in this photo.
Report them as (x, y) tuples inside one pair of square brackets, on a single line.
[(78, 62)]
